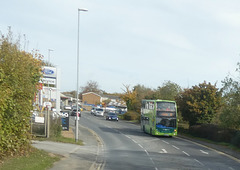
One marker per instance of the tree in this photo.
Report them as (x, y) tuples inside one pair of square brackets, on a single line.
[(199, 104), (91, 86), (129, 97), (142, 92), (20, 73), (168, 91), (230, 114)]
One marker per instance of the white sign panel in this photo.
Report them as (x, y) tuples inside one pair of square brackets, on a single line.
[(49, 81), (47, 104), (39, 119), (50, 72)]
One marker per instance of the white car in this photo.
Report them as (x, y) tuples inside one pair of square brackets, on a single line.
[(67, 107), (98, 112)]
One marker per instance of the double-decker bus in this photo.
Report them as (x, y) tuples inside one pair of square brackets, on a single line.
[(159, 117)]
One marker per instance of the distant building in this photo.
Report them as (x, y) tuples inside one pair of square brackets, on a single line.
[(92, 98)]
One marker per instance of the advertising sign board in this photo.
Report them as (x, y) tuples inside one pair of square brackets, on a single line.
[(49, 72), (65, 121), (49, 81)]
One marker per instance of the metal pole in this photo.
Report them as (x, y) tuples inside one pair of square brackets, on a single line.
[(48, 123), (76, 129), (49, 50)]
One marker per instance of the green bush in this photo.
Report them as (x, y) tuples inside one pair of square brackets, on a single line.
[(212, 132), (55, 127), (19, 76), (236, 139), (131, 115)]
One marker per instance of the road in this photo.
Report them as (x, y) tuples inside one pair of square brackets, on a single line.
[(127, 147)]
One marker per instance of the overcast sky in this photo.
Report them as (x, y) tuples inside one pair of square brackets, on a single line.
[(131, 41)]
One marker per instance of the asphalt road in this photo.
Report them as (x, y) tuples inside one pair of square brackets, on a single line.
[(125, 146)]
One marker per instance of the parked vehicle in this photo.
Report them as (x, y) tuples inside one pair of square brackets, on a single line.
[(112, 116), (75, 108), (92, 110), (67, 107), (74, 111)]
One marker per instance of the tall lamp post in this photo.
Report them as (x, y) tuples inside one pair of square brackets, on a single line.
[(49, 99), (49, 50), (77, 115)]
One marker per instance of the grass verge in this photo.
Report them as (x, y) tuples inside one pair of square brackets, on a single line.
[(227, 145), (65, 137), (35, 160)]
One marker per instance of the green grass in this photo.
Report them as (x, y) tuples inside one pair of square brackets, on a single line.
[(36, 160), (60, 139)]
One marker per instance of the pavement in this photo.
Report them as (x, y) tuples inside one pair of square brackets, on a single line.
[(90, 155)]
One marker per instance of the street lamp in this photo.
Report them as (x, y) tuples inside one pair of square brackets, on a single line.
[(77, 115), (49, 99), (49, 50)]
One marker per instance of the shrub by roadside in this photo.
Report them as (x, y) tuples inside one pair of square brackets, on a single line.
[(20, 73), (212, 133), (131, 115)]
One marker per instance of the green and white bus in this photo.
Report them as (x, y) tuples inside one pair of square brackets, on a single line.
[(159, 117)]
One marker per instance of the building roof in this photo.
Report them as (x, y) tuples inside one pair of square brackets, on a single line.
[(64, 96), (110, 96), (91, 93)]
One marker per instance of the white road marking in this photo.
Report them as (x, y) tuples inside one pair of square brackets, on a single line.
[(165, 141), (175, 147), (204, 152), (156, 168), (162, 151), (146, 152), (152, 161), (128, 136), (186, 153), (199, 162), (134, 141), (231, 168), (140, 145)]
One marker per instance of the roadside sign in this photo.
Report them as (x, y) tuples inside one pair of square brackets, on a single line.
[(49, 104), (39, 119), (65, 121)]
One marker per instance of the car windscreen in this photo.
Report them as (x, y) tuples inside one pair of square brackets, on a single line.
[(101, 110)]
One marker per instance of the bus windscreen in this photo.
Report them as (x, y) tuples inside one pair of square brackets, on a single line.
[(166, 106)]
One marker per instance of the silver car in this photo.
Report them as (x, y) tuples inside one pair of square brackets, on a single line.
[(98, 112)]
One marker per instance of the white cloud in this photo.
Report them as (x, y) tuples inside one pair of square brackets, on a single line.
[(232, 19)]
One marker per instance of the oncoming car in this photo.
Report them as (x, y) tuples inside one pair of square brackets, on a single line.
[(98, 112), (112, 116)]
